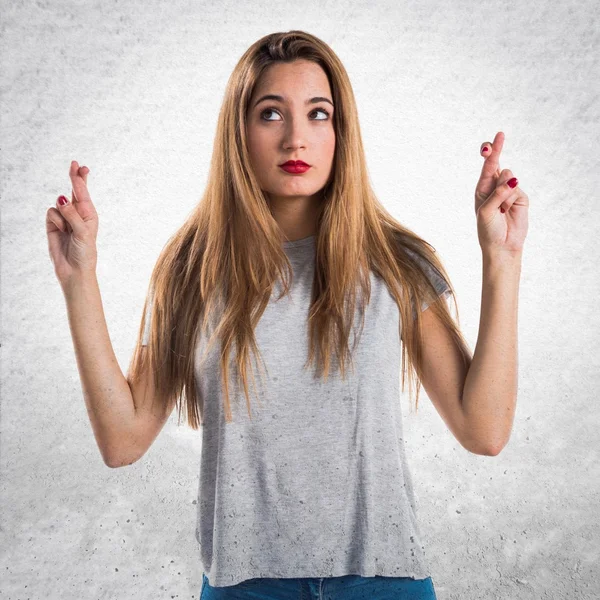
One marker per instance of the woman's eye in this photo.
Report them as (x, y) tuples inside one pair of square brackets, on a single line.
[(323, 111), (272, 110), (267, 110)]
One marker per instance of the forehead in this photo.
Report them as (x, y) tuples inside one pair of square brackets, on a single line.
[(299, 75)]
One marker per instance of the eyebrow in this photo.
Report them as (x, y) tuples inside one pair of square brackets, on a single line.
[(280, 99)]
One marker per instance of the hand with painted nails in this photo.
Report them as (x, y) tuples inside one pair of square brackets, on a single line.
[(501, 205), (72, 229)]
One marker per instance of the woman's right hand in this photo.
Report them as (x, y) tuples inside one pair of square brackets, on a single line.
[(72, 230)]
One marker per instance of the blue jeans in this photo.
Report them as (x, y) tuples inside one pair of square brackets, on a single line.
[(347, 587)]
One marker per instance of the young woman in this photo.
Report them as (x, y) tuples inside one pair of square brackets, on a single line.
[(289, 257)]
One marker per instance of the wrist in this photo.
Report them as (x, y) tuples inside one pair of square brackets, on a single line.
[(78, 280), (503, 256)]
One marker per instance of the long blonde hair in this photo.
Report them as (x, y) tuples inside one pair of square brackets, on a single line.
[(228, 253)]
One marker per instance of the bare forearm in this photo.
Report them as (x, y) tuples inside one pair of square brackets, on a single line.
[(107, 394), (490, 391)]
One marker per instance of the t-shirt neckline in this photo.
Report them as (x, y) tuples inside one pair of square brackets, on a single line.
[(306, 241)]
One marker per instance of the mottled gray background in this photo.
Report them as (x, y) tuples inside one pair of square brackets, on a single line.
[(132, 90)]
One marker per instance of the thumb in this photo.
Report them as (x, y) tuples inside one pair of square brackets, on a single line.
[(71, 216)]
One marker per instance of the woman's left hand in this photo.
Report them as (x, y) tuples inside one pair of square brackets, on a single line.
[(499, 231)]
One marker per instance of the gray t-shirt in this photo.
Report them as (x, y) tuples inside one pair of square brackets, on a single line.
[(317, 484)]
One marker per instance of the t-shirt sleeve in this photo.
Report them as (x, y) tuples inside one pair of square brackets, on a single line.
[(146, 333), (439, 283), (441, 287)]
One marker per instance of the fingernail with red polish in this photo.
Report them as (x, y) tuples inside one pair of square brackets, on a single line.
[(485, 149), (502, 209), (513, 182)]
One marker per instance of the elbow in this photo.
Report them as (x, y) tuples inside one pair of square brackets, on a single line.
[(117, 464), (117, 455), (495, 449), (483, 452), (111, 462), (492, 450), (486, 449), (109, 458), (114, 462), (483, 444)]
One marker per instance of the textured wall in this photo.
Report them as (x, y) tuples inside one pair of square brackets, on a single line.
[(132, 90)]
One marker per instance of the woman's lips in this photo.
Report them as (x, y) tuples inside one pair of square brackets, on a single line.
[(296, 169)]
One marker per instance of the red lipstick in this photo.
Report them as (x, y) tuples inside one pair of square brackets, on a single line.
[(295, 166)]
